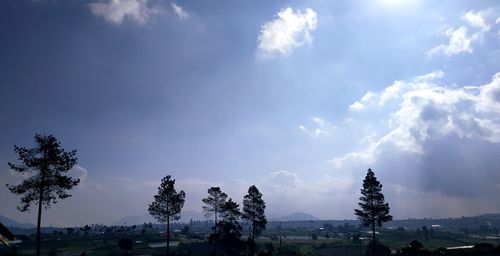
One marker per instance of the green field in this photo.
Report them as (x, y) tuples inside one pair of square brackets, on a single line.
[(293, 242)]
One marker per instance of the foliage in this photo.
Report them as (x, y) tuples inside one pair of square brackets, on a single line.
[(214, 202), (167, 203), (44, 167), (229, 228), (268, 250), (381, 250), (253, 211), (374, 210), (126, 244), (416, 245)]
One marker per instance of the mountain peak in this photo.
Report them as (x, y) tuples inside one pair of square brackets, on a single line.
[(12, 223), (296, 216)]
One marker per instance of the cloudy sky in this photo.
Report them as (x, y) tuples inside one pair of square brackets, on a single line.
[(298, 97)]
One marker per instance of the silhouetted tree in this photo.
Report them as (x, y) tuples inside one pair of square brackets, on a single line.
[(44, 166), (328, 227), (126, 244), (229, 228), (253, 211), (426, 233), (52, 252), (213, 204), (373, 209), (70, 231), (380, 249), (415, 244), (167, 205), (268, 250), (356, 237)]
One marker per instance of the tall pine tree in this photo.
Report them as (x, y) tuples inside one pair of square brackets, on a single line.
[(373, 209), (213, 206), (45, 167), (229, 227), (253, 211), (167, 205)]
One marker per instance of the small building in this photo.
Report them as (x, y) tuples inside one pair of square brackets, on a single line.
[(6, 237)]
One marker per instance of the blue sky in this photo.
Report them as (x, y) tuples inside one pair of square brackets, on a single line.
[(297, 97)]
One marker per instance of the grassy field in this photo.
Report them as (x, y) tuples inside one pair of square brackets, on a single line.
[(298, 242)]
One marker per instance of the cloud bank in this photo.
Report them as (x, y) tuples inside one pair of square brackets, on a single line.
[(441, 143)]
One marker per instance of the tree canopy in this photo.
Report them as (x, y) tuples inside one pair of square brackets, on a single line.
[(253, 211), (167, 204), (228, 229), (214, 202), (373, 209), (44, 167), (213, 206)]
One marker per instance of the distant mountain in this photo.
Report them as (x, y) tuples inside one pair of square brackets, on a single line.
[(12, 223), (296, 216), (186, 216), (134, 220), (489, 216)]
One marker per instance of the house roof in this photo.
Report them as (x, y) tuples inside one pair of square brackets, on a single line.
[(5, 235)]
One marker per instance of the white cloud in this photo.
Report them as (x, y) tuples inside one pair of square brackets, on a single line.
[(427, 111), (429, 77), (360, 105), (181, 13), (321, 128), (476, 19), (458, 41), (290, 29), (461, 40), (391, 92), (356, 106), (394, 91), (115, 11)]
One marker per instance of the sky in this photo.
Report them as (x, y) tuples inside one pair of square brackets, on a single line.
[(297, 97)]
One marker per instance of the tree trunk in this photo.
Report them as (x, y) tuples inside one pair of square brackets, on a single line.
[(39, 219), (168, 236), (373, 239), (215, 232), (279, 248), (215, 224), (253, 245)]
